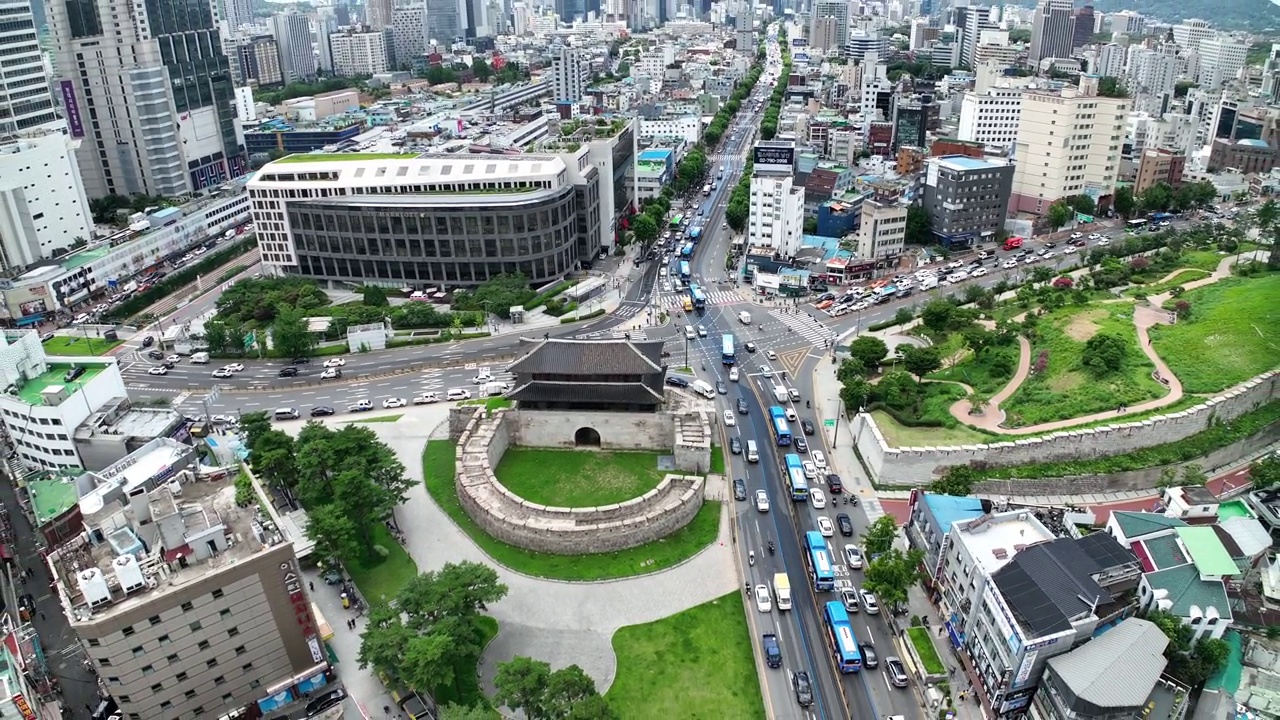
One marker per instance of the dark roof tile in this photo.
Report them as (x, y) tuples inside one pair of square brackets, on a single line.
[(604, 357)]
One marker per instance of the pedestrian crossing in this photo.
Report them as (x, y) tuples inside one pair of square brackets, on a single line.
[(629, 308), (715, 297), (805, 326)]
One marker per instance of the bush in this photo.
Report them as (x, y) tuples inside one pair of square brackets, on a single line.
[(588, 316)]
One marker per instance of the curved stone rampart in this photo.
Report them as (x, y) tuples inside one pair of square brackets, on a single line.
[(558, 530)]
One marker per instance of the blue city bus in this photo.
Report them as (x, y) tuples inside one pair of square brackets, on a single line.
[(687, 250), (695, 234), (781, 429), (684, 269), (819, 560), (844, 645), (699, 298), (793, 473), (728, 353)]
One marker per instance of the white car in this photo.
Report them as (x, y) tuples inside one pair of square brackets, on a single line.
[(791, 415), (764, 602), (1070, 249), (955, 264), (825, 527), (222, 373), (1076, 235), (818, 499), (1104, 242), (458, 394), (771, 354), (729, 419), (1095, 236), (853, 557), (702, 331), (391, 403), (766, 371), (173, 358), (869, 602), (330, 374), (158, 370), (978, 272), (810, 470), (819, 459), (360, 406), (1009, 264), (762, 501), (481, 379), (1031, 260), (426, 399), (234, 367), (733, 375), (1050, 254), (335, 363)]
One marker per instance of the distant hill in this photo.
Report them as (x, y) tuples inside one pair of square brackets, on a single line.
[(1257, 16)]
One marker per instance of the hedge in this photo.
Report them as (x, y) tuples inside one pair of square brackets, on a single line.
[(175, 281), (537, 300), (588, 316)]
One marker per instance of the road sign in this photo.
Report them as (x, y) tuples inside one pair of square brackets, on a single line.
[(1081, 217), (250, 339), (828, 423)]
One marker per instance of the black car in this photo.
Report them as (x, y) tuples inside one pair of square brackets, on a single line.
[(800, 445), (168, 364), (845, 524), (674, 381), (148, 341), (288, 372), (735, 445), (301, 360), (807, 426), (1050, 245), (722, 388), (322, 410), (739, 489), (834, 485), (869, 657), (155, 354), (742, 406), (751, 347), (72, 374), (325, 701), (803, 687)]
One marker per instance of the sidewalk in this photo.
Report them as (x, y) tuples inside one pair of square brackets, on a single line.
[(969, 708), (366, 695)]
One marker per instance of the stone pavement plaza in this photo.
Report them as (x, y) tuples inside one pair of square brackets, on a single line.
[(560, 623)]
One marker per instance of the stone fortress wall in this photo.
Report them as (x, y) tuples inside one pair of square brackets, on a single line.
[(921, 465), (484, 437)]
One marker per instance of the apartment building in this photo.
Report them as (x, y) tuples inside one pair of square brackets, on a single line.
[(1158, 165), (991, 116), (776, 216), (43, 208), (1069, 143), (883, 232), (1221, 58), (966, 198), (26, 102), (568, 75), (292, 31), (361, 52), (409, 32), (257, 59)]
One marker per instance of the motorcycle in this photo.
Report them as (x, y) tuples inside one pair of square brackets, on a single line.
[(806, 404), (751, 557), (771, 547)]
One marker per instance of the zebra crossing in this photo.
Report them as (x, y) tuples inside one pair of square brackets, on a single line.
[(634, 335), (715, 297), (629, 308), (805, 326)]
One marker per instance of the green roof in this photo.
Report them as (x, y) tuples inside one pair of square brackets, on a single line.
[(80, 259), (1136, 524), (53, 377), (1232, 509), (52, 497), (327, 157), (1207, 552), (1164, 551), (1184, 589)]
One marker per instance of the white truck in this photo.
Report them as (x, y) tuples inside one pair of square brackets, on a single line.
[(782, 591), (200, 358), (780, 394), (929, 282), (744, 317), (703, 388)]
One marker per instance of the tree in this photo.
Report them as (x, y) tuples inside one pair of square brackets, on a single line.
[(1104, 353), (1157, 198), (374, 296), (454, 711), (919, 226), (849, 369), (480, 69), (937, 315), (569, 693), (290, 335), (958, 480), (1193, 474), (334, 533), (855, 393), (254, 425), (1123, 201), (1059, 214), (921, 361), (1265, 472), (273, 459), (1082, 204), (645, 228), (432, 631), (891, 575), (216, 336), (880, 536), (1110, 87), (868, 350), (1267, 217)]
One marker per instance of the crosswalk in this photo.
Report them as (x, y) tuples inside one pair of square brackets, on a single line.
[(715, 297), (805, 326), (635, 335), (629, 308)]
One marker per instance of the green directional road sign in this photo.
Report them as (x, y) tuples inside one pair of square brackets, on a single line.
[(250, 339), (828, 423), (1081, 217)]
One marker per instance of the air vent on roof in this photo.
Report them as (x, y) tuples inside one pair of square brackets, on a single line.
[(1000, 553), (1019, 547)]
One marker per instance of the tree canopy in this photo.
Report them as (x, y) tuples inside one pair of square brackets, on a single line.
[(567, 694)]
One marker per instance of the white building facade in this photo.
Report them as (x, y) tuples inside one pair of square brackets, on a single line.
[(359, 53), (43, 208)]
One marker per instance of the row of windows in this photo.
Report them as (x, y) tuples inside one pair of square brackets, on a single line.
[(473, 248), (464, 221), (418, 273), (155, 620)]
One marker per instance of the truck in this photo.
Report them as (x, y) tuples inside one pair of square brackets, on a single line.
[(703, 388), (772, 650), (200, 358), (744, 317), (780, 394), (929, 282), (1012, 243), (782, 590)]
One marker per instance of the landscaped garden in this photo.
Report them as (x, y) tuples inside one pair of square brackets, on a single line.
[(1084, 360), (74, 345), (922, 641), (1231, 334), (577, 478), (709, 643), (438, 474)]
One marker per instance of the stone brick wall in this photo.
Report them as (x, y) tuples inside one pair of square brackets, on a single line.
[(917, 466), (561, 531), (618, 430), (692, 444)]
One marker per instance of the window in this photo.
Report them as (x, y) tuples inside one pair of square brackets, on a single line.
[(172, 658), (190, 694), (203, 645), (166, 705), (220, 679), (138, 651), (124, 698), (247, 667), (199, 711), (154, 620), (157, 687), (113, 680), (233, 632), (165, 640), (255, 684), (212, 663), (187, 606), (195, 626), (180, 677), (224, 614), (217, 593), (148, 669), (240, 650), (104, 662), (227, 698), (127, 631), (94, 642)]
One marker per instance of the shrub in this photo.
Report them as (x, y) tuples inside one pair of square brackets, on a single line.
[(1183, 309), (1042, 363), (1104, 353)]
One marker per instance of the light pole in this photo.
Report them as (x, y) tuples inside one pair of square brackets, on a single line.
[(686, 353)]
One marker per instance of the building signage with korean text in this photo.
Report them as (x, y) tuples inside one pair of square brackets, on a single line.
[(72, 108), (774, 155), (23, 707), (301, 608), (1004, 620)]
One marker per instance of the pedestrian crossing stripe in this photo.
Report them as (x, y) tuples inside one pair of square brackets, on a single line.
[(805, 326), (715, 297)]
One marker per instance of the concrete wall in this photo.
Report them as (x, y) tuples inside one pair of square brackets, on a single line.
[(618, 430), (918, 466), (561, 531)]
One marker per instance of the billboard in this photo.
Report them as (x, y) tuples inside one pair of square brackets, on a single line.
[(774, 155)]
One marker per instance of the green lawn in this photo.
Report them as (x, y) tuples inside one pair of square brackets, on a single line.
[(577, 478), (1232, 335), (899, 435), (382, 580), (696, 665), (379, 419), (438, 469), (78, 345), (987, 374), (922, 640), (1182, 278), (717, 460), (1066, 390), (1201, 259)]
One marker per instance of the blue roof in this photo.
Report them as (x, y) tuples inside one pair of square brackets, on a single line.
[(1252, 143), (964, 162), (658, 154), (166, 212), (948, 509)]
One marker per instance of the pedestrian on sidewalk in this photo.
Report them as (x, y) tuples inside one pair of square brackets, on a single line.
[(311, 585)]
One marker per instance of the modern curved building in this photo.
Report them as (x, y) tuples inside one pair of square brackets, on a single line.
[(425, 221)]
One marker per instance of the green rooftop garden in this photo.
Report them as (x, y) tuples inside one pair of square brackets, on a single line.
[(326, 157), (53, 377), (52, 496)]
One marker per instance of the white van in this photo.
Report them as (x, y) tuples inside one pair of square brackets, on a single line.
[(929, 282), (703, 388), (200, 358), (690, 333), (744, 317), (286, 414), (494, 388), (753, 453)]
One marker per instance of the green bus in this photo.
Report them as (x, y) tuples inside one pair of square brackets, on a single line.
[(675, 221)]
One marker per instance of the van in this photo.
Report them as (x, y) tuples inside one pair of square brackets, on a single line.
[(286, 414), (494, 388), (200, 358), (703, 388), (929, 282), (1012, 243), (690, 333), (753, 453), (744, 317)]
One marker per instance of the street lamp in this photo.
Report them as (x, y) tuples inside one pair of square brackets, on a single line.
[(686, 352)]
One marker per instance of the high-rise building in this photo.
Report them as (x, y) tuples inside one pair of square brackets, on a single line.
[(25, 99), (409, 31), (1110, 61), (1082, 31), (775, 218), (1052, 31), (864, 44), (235, 14), (378, 13), (1068, 144), (1127, 22), (326, 25), (882, 234), (154, 97), (292, 31), (568, 75), (444, 21), (977, 20), (832, 16), (1221, 58), (991, 116), (1189, 33), (359, 52), (1153, 71), (258, 60), (43, 208)]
